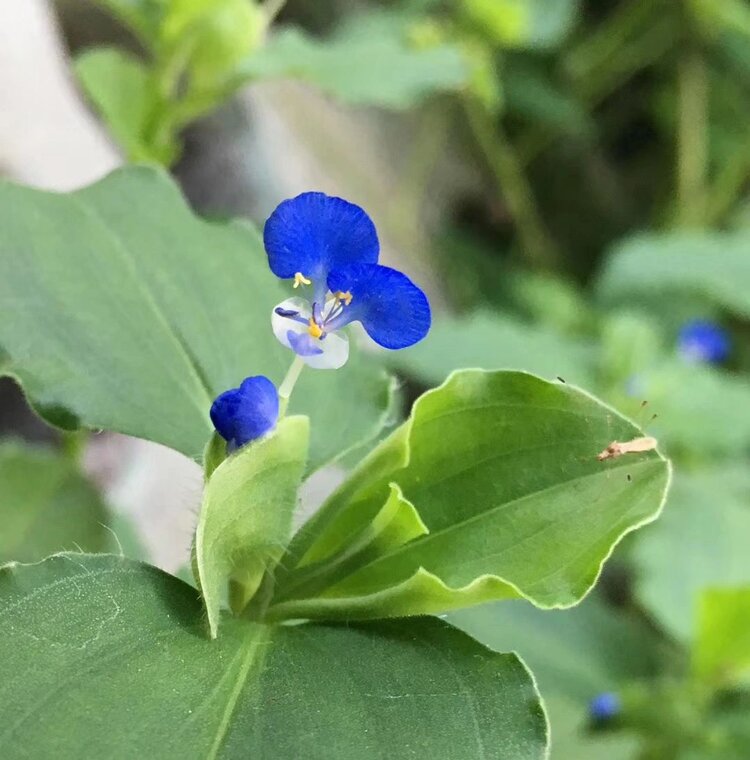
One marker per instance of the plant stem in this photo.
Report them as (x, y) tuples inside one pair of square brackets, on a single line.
[(288, 383), (73, 444), (692, 139), (513, 185)]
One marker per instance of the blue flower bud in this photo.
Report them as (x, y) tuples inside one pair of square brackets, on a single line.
[(604, 706), (241, 415), (703, 341)]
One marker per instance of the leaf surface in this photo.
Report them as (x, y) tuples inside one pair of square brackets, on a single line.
[(722, 646), (701, 541), (502, 470), (104, 657), (46, 505), (370, 60), (121, 310)]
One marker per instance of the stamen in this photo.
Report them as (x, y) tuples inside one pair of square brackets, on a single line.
[(344, 297), (314, 329), (300, 279), (288, 313)]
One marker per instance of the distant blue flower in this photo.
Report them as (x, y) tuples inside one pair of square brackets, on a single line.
[(703, 341), (604, 706), (332, 245), (241, 415)]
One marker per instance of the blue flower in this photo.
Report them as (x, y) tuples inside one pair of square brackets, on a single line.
[(241, 415), (604, 706), (332, 246), (703, 341)]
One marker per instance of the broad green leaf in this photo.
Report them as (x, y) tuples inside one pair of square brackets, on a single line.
[(701, 541), (46, 505), (369, 61), (246, 516), (121, 88), (491, 341), (575, 654), (714, 266), (502, 469), (722, 644), (104, 657), (121, 310)]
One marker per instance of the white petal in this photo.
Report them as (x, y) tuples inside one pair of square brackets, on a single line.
[(282, 325), (335, 352), (335, 347)]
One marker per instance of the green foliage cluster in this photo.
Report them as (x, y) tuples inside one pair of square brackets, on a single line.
[(592, 123), (517, 506)]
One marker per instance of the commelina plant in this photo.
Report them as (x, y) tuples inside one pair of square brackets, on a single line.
[(121, 310)]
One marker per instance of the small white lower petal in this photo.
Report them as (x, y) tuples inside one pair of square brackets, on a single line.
[(282, 325), (335, 353), (335, 347)]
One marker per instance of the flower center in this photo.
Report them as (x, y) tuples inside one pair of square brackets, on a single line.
[(315, 329)]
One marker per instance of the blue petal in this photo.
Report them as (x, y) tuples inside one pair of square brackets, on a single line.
[(704, 341), (303, 344), (604, 706), (315, 233), (243, 414), (392, 309)]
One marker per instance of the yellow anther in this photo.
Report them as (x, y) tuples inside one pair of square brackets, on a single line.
[(300, 279), (344, 296), (315, 329)]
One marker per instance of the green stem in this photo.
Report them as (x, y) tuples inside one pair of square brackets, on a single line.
[(692, 139), (596, 51), (513, 185), (73, 444), (288, 383)]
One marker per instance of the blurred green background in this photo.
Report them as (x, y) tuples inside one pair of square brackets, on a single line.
[(569, 181)]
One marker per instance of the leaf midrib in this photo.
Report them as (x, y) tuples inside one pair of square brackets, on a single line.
[(258, 636)]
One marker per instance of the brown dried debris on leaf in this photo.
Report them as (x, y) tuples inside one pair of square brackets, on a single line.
[(636, 446)]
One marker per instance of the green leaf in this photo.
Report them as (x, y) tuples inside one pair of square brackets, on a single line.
[(121, 310), (722, 646), (714, 266), (369, 61), (246, 517), (106, 658), (522, 23), (575, 654), (46, 505), (122, 89), (144, 17), (701, 541), (702, 410), (491, 341), (502, 468), (218, 34)]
